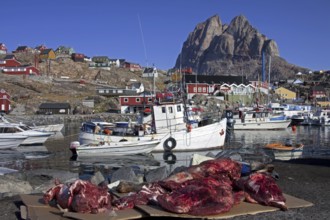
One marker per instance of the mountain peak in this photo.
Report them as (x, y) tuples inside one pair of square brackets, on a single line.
[(213, 48)]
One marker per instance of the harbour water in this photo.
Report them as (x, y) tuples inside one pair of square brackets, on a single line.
[(55, 153)]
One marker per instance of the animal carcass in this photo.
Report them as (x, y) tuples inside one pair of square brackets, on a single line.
[(261, 188), (202, 189), (80, 196)]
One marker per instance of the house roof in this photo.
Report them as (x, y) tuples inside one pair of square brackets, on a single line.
[(318, 88), (215, 79), (49, 105), (10, 57), (21, 48), (149, 70), (46, 51)]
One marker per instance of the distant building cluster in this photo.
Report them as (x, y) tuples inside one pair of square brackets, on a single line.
[(10, 65)]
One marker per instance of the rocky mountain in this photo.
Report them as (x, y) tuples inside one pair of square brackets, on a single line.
[(213, 48)]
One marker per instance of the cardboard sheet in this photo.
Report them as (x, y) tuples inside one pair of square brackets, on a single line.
[(36, 209), (243, 208)]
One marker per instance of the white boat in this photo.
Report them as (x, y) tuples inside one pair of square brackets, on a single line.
[(10, 140), (260, 120), (33, 137), (49, 128), (113, 148), (167, 123), (321, 117)]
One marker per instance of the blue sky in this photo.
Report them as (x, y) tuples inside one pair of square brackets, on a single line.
[(151, 32)]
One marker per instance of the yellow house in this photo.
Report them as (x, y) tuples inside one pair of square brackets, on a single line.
[(285, 93), (47, 54)]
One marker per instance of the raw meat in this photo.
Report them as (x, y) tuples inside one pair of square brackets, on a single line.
[(80, 196), (261, 188)]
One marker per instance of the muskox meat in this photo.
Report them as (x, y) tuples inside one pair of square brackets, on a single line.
[(214, 168), (148, 194), (261, 188), (80, 196), (206, 196), (60, 192)]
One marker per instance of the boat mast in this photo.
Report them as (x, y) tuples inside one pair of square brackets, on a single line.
[(269, 64)]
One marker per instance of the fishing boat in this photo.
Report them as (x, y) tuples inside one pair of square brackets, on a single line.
[(260, 120), (172, 123), (10, 140), (113, 148), (284, 151)]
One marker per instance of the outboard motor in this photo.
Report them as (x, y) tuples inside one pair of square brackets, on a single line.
[(73, 147)]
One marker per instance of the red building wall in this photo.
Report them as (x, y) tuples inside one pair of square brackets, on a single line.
[(21, 70), (198, 88), (133, 100), (4, 101), (10, 62)]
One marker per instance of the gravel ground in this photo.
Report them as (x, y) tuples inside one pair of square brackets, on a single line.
[(306, 179)]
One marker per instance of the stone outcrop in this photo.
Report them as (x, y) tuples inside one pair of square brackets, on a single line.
[(214, 48)]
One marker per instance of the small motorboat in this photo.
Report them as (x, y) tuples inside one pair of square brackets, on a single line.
[(113, 148), (285, 152)]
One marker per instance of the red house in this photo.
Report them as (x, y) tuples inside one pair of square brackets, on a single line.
[(21, 70), (9, 61), (134, 104), (3, 48), (41, 48), (132, 66), (317, 92), (4, 101), (78, 57)]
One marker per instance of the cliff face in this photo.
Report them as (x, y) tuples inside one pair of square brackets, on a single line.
[(234, 49)]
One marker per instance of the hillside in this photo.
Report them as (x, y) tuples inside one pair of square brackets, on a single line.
[(28, 92)]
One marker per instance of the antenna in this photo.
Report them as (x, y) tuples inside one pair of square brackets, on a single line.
[(144, 46)]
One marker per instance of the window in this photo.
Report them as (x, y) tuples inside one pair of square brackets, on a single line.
[(149, 99), (125, 99), (178, 108), (163, 109), (195, 89), (204, 89), (199, 89), (170, 109), (138, 100)]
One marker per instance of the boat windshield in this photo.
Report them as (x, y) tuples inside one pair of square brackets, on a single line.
[(9, 130)]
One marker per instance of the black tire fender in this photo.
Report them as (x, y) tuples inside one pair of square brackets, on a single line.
[(169, 144), (169, 157)]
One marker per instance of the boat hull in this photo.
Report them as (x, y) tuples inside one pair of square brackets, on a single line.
[(262, 125), (283, 152), (35, 140), (116, 149), (11, 141), (200, 138)]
